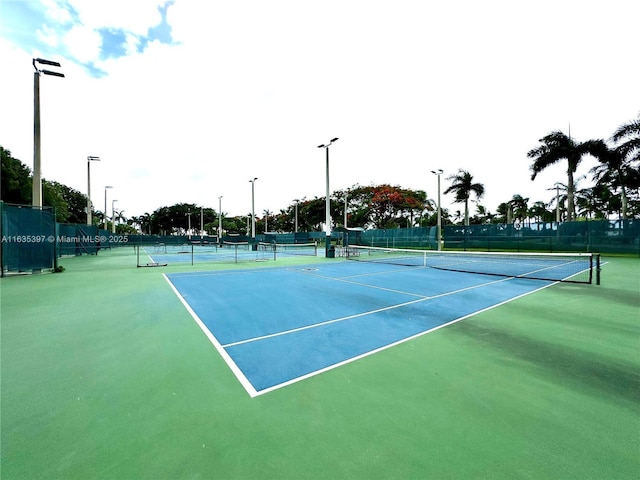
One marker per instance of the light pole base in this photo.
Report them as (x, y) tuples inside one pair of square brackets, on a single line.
[(330, 251)]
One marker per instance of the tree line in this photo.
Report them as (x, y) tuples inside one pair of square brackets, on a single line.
[(615, 191)]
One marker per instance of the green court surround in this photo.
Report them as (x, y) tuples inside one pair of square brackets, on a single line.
[(105, 375)]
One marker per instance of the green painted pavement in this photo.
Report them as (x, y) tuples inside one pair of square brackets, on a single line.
[(105, 375)]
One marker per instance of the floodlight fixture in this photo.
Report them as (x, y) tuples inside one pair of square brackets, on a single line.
[(45, 62), (53, 74), (328, 144)]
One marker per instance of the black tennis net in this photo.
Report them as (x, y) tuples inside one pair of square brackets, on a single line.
[(304, 249), (562, 267)]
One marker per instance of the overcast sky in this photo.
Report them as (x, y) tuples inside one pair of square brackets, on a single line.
[(187, 100)]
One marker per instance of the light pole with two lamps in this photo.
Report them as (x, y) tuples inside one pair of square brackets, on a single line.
[(328, 202), (37, 170)]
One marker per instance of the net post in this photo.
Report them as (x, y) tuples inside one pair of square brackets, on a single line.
[(597, 269)]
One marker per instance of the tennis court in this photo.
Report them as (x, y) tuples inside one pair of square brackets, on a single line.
[(280, 325)]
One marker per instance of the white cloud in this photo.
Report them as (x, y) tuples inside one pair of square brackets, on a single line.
[(48, 35), (131, 44), (132, 16), (57, 11), (83, 43)]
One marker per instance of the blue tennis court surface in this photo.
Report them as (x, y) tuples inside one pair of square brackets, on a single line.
[(275, 326)]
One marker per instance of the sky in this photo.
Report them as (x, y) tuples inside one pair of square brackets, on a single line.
[(188, 100)]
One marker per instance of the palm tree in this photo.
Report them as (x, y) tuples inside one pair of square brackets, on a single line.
[(463, 187), (483, 215), (590, 202), (629, 135), (503, 212), (539, 212), (520, 207), (120, 218), (613, 172), (145, 222), (617, 169), (557, 146)]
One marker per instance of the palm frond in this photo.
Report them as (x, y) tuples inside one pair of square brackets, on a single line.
[(630, 129)]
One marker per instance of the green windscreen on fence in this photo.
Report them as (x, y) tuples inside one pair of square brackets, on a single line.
[(79, 239), (604, 236), (28, 238), (414, 237)]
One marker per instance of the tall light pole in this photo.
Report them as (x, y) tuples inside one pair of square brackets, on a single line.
[(253, 212), (557, 203), (328, 202), (89, 160), (37, 170), (296, 216), (113, 215), (346, 195), (189, 229), (439, 229), (105, 205), (220, 219)]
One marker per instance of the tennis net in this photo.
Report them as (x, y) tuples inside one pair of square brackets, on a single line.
[(236, 245), (304, 249), (564, 267), (196, 252)]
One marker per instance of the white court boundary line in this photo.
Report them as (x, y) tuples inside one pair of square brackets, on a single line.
[(223, 353)]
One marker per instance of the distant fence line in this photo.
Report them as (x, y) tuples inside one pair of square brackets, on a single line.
[(33, 241), (602, 236)]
